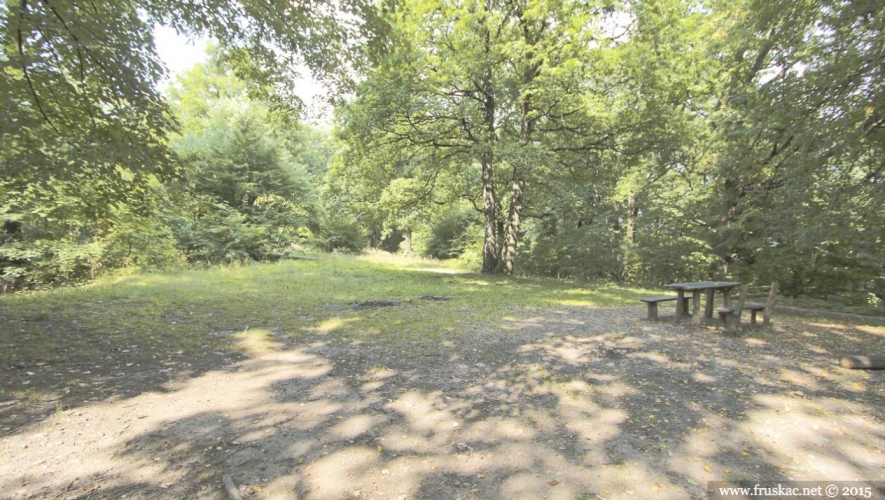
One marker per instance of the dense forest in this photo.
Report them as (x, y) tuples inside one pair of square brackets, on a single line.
[(634, 142)]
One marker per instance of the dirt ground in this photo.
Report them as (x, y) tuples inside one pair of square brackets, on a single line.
[(565, 403)]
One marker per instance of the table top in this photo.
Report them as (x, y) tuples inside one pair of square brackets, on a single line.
[(702, 285)]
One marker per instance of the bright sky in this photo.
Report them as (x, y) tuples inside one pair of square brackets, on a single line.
[(177, 52), (180, 54)]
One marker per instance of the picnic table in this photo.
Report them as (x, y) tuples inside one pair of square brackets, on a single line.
[(696, 287)]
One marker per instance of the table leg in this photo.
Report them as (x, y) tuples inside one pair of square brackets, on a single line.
[(708, 306), (726, 297), (680, 308), (696, 307)]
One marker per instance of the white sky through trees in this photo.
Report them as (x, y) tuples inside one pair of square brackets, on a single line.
[(179, 53)]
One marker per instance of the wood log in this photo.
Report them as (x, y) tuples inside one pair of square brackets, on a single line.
[(863, 362), (231, 487)]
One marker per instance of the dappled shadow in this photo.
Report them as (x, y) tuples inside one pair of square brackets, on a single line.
[(67, 349), (61, 365), (71, 348), (564, 403)]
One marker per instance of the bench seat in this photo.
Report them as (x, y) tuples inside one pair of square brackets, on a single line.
[(754, 307), (659, 299), (653, 302), (733, 313)]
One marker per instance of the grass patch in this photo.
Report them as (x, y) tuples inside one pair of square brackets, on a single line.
[(161, 324), (193, 310)]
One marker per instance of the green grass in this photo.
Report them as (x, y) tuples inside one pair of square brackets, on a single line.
[(233, 309)]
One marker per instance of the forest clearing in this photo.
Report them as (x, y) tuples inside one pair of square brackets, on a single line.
[(431, 248), (384, 377)]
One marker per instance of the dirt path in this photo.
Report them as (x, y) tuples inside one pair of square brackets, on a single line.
[(567, 403)]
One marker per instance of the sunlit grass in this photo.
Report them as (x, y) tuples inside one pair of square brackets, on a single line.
[(399, 261), (171, 317), (256, 341)]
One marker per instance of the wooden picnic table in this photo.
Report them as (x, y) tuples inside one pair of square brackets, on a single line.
[(696, 287)]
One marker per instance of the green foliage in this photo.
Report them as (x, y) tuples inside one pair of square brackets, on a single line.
[(141, 242), (69, 243), (798, 170), (85, 131), (450, 234), (222, 234), (587, 252), (246, 196), (486, 102), (694, 140)]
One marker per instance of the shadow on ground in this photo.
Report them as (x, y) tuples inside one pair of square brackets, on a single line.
[(567, 403)]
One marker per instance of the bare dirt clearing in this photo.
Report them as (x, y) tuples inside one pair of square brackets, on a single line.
[(563, 402)]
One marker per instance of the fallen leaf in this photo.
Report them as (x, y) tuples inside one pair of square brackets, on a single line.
[(708, 468), (553, 482)]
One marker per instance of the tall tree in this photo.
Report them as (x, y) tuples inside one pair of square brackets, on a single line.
[(801, 115), (499, 88)]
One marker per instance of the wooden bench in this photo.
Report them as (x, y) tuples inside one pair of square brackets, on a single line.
[(766, 293), (653, 302), (748, 293)]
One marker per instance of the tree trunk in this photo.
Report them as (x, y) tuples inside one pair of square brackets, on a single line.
[(513, 221), (373, 239), (489, 212), (531, 70), (407, 241), (631, 219), (490, 203)]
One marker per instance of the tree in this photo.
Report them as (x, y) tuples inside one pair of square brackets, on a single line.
[(497, 91), (799, 174), (246, 194)]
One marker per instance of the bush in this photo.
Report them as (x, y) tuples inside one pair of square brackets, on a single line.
[(449, 236)]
